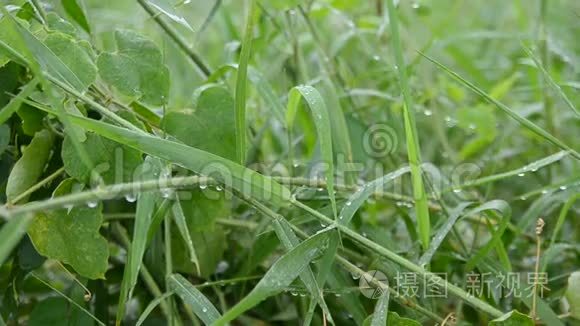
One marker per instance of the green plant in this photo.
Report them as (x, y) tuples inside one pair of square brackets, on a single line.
[(270, 161)]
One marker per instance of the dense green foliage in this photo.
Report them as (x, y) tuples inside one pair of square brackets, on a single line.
[(289, 162)]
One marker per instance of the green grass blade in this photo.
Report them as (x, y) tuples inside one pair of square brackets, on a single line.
[(181, 223), (152, 305), (413, 149), (322, 122), (240, 95), (15, 102), (166, 7), (381, 310), (143, 216), (76, 12), (520, 119), (551, 81), (11, 233), (279, 276), (561, 217), (356, 200), (505, 210), (201, 306), (438, 238), (224, 171)]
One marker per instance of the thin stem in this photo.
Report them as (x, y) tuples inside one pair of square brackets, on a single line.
[(38, 7), (37, 186), (178, 39), (145, 274), (426, 275)]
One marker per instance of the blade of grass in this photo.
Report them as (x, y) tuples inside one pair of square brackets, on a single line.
[(181, 223), (550, 80), (143, 216), (413, 149), (226, 172), (178, 39), (279, 276), (561, 217), (322, 122), (240, 95), (152, 305), (381, 310), (11, 233), (16, 101), (201, 306), (520, 119), (384, 252)]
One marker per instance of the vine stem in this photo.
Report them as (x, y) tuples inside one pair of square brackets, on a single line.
[(426, 275), (118, 190), (178, 39)]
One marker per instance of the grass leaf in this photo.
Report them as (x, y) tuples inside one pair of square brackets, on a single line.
[(200, 305), (11, 233)]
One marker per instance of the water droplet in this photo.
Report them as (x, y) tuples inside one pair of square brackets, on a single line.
[(376, 58), (204, 309), (471, 126), (202, 186), (523, 198), (521, 174), (337, 295), (131, 197), (320, 189), (415, 5), (294, 293), (165, 192), (544, 192), (563, 187), (428, 113), (534, 169), (218, 188), (340, 217), (92, 204), (323, 225), (348, 203), (456, 191)]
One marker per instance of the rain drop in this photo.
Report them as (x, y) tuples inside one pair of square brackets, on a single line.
[(202, 186), (428, 113), (348, 203), (218, 188), (165, 192), (563, 187), (92, 204), (376, 58), (521, 174), (456, 191), (204, 309), (131, 197), (523, 198), (544, 192)]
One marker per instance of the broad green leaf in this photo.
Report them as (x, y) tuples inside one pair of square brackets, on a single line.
[(136, 69), (11, 233), (210, 126), (240, 95), (115, 163), (55, 66), (233, 175), (58, 312), (72, 236), (74, 8), (30, 166), (395, 320), (261, 84), (200, 305), (513, 318), (149, 170), (411, 135), (16, 102), (322, 122), (169, 10), (279, 276), (75, 55), (514, 115), (573, 294), (75, 131), (58, 24)]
